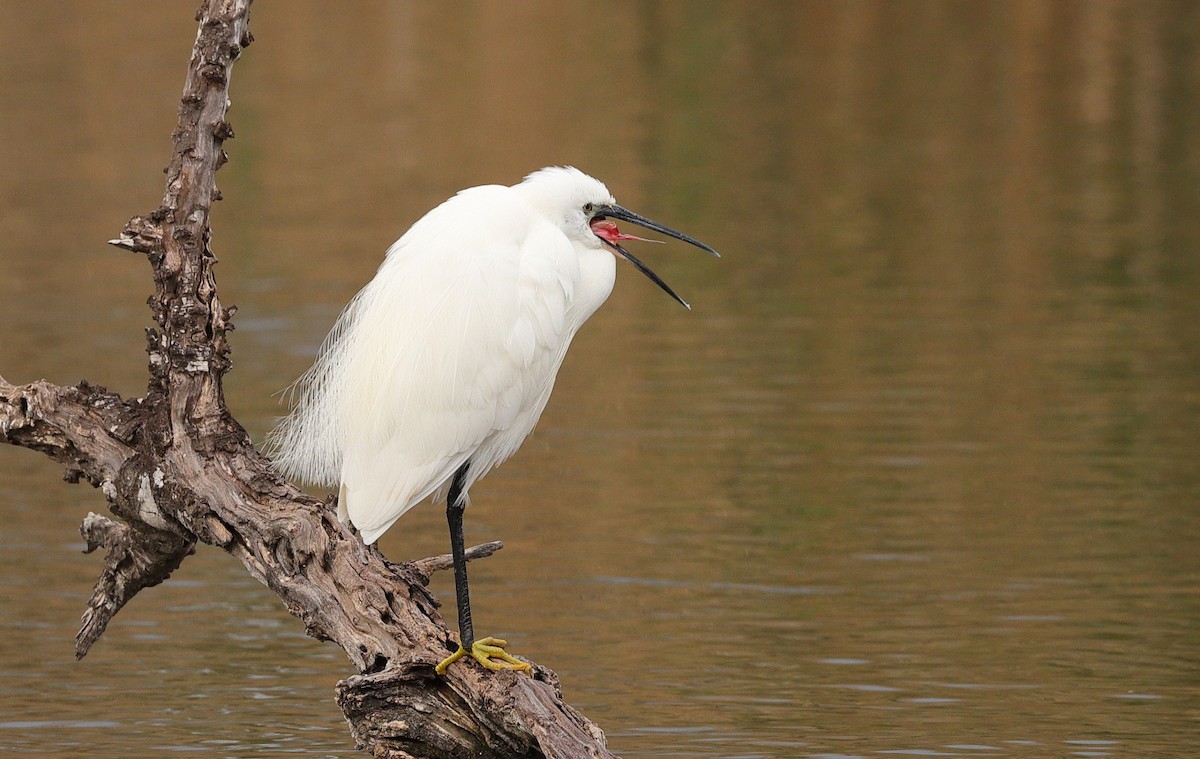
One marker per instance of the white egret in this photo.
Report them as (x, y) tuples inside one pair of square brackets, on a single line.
[(440, 367)]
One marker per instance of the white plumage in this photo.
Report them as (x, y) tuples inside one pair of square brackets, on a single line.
[(451, 351)]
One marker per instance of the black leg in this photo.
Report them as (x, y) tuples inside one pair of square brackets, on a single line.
[(455, 504), (489, 652)]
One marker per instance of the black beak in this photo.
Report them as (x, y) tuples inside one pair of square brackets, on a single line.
[(624, 214)]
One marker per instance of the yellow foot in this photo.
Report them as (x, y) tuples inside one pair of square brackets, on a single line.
[(485, 651)]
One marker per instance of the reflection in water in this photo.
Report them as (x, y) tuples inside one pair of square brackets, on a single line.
[(918, 474)]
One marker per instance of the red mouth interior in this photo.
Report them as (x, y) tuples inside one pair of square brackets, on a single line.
[(607, 230)]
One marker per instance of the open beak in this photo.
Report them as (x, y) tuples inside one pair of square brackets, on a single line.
[(611, 235)]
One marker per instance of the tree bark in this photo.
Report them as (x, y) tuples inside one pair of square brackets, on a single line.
[(177, 468)]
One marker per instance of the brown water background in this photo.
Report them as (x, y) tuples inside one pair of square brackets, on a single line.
[(918, 475)]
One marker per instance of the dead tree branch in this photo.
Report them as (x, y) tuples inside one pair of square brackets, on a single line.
[(176, 468)]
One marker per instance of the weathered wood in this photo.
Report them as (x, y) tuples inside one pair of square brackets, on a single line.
[(176, 468), (135, 557)]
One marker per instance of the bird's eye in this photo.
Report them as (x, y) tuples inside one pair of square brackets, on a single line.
[(588, 207)]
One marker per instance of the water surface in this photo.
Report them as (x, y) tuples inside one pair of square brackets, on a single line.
[(918, 475)]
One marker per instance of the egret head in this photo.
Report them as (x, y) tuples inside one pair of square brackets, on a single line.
[(587, 213)]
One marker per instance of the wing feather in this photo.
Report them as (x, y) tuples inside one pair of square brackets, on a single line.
[(450, 357)]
